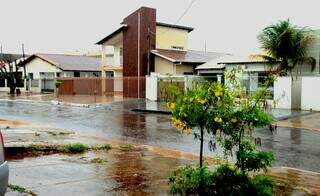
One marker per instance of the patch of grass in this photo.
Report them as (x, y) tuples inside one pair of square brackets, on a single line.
[(20, 189), (41, 147), (127, 147), (53, 133), (59, 133), (105, 147), (98, 160), (73, 148)]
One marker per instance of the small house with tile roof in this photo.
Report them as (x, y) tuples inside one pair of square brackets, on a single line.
[(43, 69)]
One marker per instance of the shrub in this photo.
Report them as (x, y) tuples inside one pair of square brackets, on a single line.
[(186, 179), (57, 83), (224, 180)]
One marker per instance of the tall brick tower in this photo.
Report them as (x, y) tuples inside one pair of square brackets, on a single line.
[(135, 50)]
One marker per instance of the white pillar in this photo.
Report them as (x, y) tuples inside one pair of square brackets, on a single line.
[(219, 78), (40, 84), (103, 60), (116, 56), (25, 84), (103, 73)]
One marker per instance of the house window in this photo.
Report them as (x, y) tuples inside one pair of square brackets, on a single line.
[(76, 74), (109, 74), (121, 56), (96, 74), (2, 82), (30, 76), (58, 74), (262, 78), (177, 47)]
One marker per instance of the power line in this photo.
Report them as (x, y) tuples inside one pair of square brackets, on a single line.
[(186, 11), (178, 20), (154, 34)]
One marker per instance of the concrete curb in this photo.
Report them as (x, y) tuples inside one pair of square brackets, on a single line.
[(152, 111), (295, 116)]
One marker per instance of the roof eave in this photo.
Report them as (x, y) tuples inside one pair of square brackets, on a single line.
[(111, 35), (165, 57), (189, 29)]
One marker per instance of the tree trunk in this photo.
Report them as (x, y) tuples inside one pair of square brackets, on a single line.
[(12, 89), (201, 192), (201, 145)]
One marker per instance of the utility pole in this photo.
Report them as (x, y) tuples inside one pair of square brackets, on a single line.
[(24, 69), (1, 52), (205, 45)]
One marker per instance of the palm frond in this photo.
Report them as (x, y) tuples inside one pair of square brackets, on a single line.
[(307, 61)]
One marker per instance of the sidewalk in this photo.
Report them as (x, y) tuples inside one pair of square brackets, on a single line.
[(310, 122)]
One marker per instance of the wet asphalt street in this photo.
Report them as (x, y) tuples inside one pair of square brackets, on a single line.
[(293, 147)]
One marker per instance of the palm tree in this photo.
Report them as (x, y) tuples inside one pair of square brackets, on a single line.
[(286, 47)]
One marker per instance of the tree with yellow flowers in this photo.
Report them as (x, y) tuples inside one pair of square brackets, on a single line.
[(230, 116), (195, 110)]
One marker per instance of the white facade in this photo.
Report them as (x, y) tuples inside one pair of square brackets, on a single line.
[(38, 67), (282, 92), (310, 96)]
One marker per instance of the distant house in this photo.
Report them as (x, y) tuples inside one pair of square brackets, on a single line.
[(289, 90), (259, 67), (43, 69), (50, 66), (142, 46), (176, 62), (254, 70)]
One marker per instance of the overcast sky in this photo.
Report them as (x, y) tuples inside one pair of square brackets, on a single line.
[(57, 26)]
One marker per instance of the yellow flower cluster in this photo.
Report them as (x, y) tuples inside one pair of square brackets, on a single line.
[(171, 105), (202, 101), (186, 130), (177, 123), (180, 125), (218, 91), (218, 119)]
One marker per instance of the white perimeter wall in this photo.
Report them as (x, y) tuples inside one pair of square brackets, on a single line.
[(282, 92), (152, 88), (310, 93)]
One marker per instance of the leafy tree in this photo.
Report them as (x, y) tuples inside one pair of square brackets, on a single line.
[(286, 46), (229, 117), (198, 107), (10, 70)]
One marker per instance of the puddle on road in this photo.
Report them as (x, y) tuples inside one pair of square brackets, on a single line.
[(124, 172), (310, 122), (302, 181), (13, 123)]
